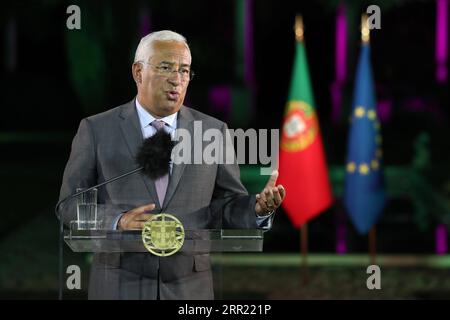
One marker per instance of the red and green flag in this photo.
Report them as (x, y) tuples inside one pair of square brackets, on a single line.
[(302, 165)]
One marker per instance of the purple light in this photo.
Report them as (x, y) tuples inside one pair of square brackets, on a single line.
[(341, 44), (341, 246), (416, 104), (441, 40), (431, 106), (384, 110), (336, 100), (340, 63), (144, 22), (441, 73), (441, 239), (341, 233), (220, 99)]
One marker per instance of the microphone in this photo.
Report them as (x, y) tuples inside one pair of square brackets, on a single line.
[(154, 155), (153, 158)]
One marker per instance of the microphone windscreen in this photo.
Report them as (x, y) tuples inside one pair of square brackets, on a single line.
[(154, 154)]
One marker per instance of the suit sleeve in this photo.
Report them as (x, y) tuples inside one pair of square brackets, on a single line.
[(80, 171), (232, 206)]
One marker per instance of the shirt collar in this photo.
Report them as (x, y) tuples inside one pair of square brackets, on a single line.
[(145, 118)]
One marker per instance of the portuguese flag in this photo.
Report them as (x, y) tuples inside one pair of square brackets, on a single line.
[(302, 167)]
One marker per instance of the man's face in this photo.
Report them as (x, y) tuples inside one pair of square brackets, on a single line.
[(159, 91)]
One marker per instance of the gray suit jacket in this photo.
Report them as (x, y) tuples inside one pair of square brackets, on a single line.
[(202, 196)]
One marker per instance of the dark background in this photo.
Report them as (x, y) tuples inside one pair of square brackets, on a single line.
[(52, 77)]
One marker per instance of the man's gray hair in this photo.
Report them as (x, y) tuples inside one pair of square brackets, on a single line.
[(145, 47)]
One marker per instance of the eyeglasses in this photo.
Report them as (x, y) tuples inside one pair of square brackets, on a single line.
[(167, 70)]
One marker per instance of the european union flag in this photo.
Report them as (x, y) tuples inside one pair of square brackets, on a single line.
[(364, 195)]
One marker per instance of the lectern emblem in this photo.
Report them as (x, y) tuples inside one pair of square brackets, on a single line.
[(163, 235)]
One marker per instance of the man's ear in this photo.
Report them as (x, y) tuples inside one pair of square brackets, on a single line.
[(136, 69)]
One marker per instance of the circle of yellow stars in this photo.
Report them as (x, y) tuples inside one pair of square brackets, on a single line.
[(365, 168)]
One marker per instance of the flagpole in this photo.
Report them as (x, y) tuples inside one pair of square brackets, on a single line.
[(304, 250), (365, 38)]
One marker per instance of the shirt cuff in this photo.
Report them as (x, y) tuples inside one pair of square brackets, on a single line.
[(265, 222), (116, 222)]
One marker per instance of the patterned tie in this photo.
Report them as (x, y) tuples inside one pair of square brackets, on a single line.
[(161, 183)]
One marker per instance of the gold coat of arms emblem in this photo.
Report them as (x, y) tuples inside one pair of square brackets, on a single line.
[(163, 235)]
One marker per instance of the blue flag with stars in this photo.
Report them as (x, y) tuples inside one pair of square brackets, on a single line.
[(364, 195)]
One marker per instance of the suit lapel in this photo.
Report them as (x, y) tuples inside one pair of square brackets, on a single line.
[(184, 121), (132, 133)]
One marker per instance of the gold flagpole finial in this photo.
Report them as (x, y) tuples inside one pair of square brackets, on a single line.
[(298, 27), (365, 31)]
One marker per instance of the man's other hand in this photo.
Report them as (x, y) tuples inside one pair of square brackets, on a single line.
[(135, 219), (271, 197)]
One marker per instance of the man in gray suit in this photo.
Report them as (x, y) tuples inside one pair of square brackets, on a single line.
[(202, 196)]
